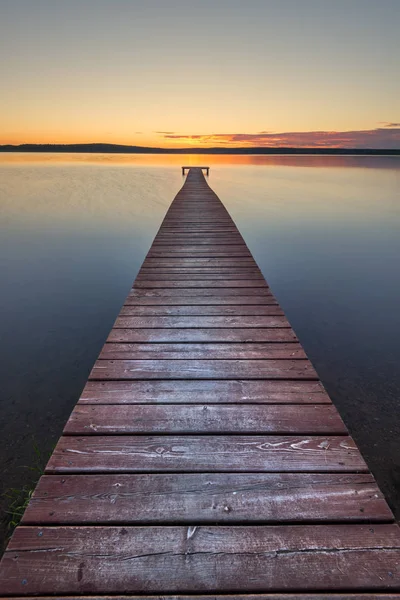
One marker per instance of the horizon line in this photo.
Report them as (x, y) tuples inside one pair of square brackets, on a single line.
[(34, 146)]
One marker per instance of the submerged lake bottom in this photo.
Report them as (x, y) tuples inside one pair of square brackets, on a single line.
[(75, 229)]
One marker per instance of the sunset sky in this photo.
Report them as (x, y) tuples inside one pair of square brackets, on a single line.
[(177, 73)]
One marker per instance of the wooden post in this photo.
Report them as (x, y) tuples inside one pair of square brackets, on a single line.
[(187, 168)]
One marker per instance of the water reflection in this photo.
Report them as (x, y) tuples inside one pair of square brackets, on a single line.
[(177, 160)]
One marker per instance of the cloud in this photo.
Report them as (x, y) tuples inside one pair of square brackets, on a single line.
[(386, 124), (166, 133), (386, 137)]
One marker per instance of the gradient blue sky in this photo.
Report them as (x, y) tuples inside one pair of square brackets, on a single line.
[(201, 72)]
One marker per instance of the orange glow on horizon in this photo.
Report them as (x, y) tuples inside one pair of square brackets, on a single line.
[(385, 136)]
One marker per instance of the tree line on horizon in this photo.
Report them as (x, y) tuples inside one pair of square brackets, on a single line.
[(127, 149)]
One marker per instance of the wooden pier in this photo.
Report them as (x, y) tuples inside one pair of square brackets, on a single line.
[(204, 457), (206, 169)]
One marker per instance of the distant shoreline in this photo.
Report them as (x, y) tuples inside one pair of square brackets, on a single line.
[(122, 149)]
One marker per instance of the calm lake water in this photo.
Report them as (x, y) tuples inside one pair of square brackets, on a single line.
[(74, 232)]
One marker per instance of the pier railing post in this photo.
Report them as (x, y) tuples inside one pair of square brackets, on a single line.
[(186, 168)]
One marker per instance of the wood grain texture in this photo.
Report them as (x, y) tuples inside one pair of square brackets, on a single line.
[(153, 559), (189, 351), (207, 498), (199, 240), (267, 596), (236, 262), (198, 322), (204, 392), (206, 272), (203, 369), (199, 276), (206, 283), (213, 335), (225, 453), (199, 250), (154, 298), (195, 310), (145, 418), (210, 293)]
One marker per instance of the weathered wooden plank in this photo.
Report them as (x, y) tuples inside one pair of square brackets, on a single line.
[(188, 224), (213, 220), (167, 275), (185, 251), (191, 227), (201, 250), (281, 350), (181, 249), (200, 270), (172, 240), (199, 228), (203, 369), (206, 272), (209, 235), (182, 419), (201, 559), (202, 310), (205, 283), (207, 229), (182, 208), (210, 221), (218, 322), (154, 299), (202, 335), (178, 223), (219, 453), (231, 232), (207, 498), (216, 215), (205, 216), (204, 392), (267, 596), (198, 222), (185, 212), (208, 214), (183, 220), (197, 241), (211, 293), (198, 238), (236, 262)]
